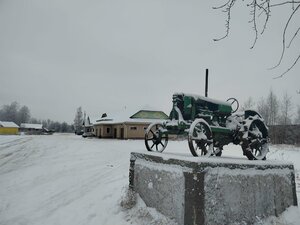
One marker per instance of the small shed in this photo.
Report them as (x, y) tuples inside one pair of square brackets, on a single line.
[(30, 128), (8, 128)]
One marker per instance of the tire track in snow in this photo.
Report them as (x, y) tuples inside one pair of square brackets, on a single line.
[(13, 154), (16, 159), (15, 142), (69, 194)]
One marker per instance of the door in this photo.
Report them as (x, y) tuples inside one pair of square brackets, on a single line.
[(122, 133), (115, 133)]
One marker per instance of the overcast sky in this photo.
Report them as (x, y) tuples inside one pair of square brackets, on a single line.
[(105, 55)]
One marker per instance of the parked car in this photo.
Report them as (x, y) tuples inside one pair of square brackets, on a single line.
[(79, 132), (88, 134)]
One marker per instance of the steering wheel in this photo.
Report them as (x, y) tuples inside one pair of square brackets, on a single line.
[(234, 104)]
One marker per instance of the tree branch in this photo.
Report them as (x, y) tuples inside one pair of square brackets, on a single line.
[(285, 3), (257, 9), (228, 6), (253, 12), (222, 6), (295, 62), (267, 13), (289, 45), (283, 37)]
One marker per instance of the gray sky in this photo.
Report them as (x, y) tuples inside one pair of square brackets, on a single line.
[(105, 55)]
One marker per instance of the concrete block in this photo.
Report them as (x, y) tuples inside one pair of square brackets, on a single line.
[(212, 191)]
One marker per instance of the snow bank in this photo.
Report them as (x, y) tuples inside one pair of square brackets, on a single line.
[(138, 213)]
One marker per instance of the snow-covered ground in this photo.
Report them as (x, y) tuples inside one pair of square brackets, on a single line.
[(69, 180)]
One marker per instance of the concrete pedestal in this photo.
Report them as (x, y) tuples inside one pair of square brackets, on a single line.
[(212, 191)]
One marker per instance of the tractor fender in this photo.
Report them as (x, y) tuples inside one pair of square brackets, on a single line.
[(253, 113)]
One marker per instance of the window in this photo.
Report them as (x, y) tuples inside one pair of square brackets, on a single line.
[(133, 128), (108, 130)]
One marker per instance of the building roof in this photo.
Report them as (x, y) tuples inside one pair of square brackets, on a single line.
[(86, 121), (141, 116), (8, 124), (129, 121), (149, 114), (31, 126)]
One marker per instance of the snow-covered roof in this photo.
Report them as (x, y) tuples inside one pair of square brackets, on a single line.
[(87, 122), (129, 121), (8, 124), (124, 117), (31, 126), (90, 121), (93, 120)]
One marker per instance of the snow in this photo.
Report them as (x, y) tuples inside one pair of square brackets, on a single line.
[(124, 118), (8, 124), (69, 180), (128, 120), (196, 97), (31, 126)]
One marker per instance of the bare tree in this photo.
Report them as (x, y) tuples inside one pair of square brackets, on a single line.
[(297, 120), (248, 104), (57, 126), (269, 108), (64, 127), (286, 110), (35, 121), (273, 105), (23, 115), (263, 109), (260, 14), (78, 121), (10, 112)]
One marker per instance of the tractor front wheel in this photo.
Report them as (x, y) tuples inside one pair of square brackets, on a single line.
[(155, 138), (200, 139)]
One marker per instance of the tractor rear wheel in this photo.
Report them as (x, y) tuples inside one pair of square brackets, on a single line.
[(256, 146), (200, 139)]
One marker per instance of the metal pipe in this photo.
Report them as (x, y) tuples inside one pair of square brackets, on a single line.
[(206, 83)]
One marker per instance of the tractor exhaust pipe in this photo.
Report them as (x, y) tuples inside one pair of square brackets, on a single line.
[(206, 82)]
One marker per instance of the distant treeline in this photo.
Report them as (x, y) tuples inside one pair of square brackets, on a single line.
[(285, 134), (21, 114), (274, 110)]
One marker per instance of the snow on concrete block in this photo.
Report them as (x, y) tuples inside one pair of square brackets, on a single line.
[(213, 191)]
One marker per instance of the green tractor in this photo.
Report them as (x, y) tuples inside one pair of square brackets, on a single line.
[(208, 125)]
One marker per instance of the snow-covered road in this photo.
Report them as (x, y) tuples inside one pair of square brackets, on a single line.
[(69, 180), (61, 179)]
